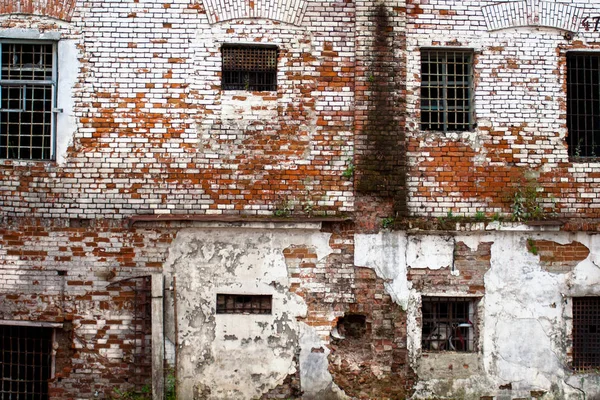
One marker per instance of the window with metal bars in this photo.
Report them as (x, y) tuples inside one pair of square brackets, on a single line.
[(247, 67), (244, 303), (448, 324), (586, 333), (27, 100), (25, 362), (446, 90), (583, 104)]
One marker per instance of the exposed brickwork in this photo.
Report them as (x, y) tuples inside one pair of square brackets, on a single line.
[(78, 276), (60, 9), (558, 258), (470, 264), (520, 111), (374, 365)]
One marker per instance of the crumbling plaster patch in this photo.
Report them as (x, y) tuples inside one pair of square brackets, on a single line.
[(242, 356), (524, 316)]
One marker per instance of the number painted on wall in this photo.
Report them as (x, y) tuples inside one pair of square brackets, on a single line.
[(591, 23)]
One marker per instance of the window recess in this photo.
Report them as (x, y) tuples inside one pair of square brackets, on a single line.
[(244, 304), (446, 90), (448, 324), (249, 67), (586, 333), (27, 100), (583, 104), (25, 362)]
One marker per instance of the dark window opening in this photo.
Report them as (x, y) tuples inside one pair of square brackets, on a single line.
[(25, 362), (583, 104), (244, 304), (586, 329), (27, 98), (446, 90), (246, 67), (448, 324)]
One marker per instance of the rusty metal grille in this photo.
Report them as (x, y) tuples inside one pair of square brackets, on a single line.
[(136, 296), (583, 104), (27, 98), (251, 68), (446, 90), (586, 333), (448, 324), (244, 304), (25, 362)]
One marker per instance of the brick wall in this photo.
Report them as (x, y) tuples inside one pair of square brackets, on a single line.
[(520, 112)]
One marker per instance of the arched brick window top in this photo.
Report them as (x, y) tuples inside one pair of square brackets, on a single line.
[(532, 13), (278, 10), (60, 9)]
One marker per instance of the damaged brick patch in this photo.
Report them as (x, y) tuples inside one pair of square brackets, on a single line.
[(558, 258)]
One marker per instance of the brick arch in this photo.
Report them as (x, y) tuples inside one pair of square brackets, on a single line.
[(548, 14), (60, 9), (277, 10)]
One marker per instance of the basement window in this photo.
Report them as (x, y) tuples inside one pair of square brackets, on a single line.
[(448, 324), (244, 303), (249, 67), (586, 333), (27, 99), (25, 362), (583, 104), (446, 90)]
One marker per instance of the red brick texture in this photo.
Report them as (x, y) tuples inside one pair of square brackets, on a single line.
[(59, 9)]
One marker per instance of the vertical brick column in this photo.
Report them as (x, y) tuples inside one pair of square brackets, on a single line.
[(380, 90)]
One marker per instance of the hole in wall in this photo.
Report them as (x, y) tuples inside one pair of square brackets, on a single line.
[(352, 326)]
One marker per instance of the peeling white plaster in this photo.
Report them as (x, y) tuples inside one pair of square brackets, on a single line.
[(385, 253), (232, 355), (524, 318), (430, 251), (315, 378)]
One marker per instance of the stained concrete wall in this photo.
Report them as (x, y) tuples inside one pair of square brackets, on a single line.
[(235, 355), (523, 325)]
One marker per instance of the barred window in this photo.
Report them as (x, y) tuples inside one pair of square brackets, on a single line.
[(583, 104), (446, 90), (586, 333), (448, 324), (246, 67), (25, 362), (244, 303), (27, 100)]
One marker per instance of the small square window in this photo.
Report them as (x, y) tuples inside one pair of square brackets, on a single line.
[(446, 90), (448, 324), (586, 333), (246, 67), (583, 104), (25, 362), (244, 303), (27, 100)]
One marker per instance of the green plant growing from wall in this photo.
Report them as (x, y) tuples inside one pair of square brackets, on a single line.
[(387, 222), (283, 208), (480, 216), (531, 246), (349, 172), (526, 202)]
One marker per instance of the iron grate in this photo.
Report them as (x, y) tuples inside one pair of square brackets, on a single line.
[(25, 362), (448, 324), (249, 67), (244, 304), (27, 98), (583, 104), (586, 333), (446, 90)]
